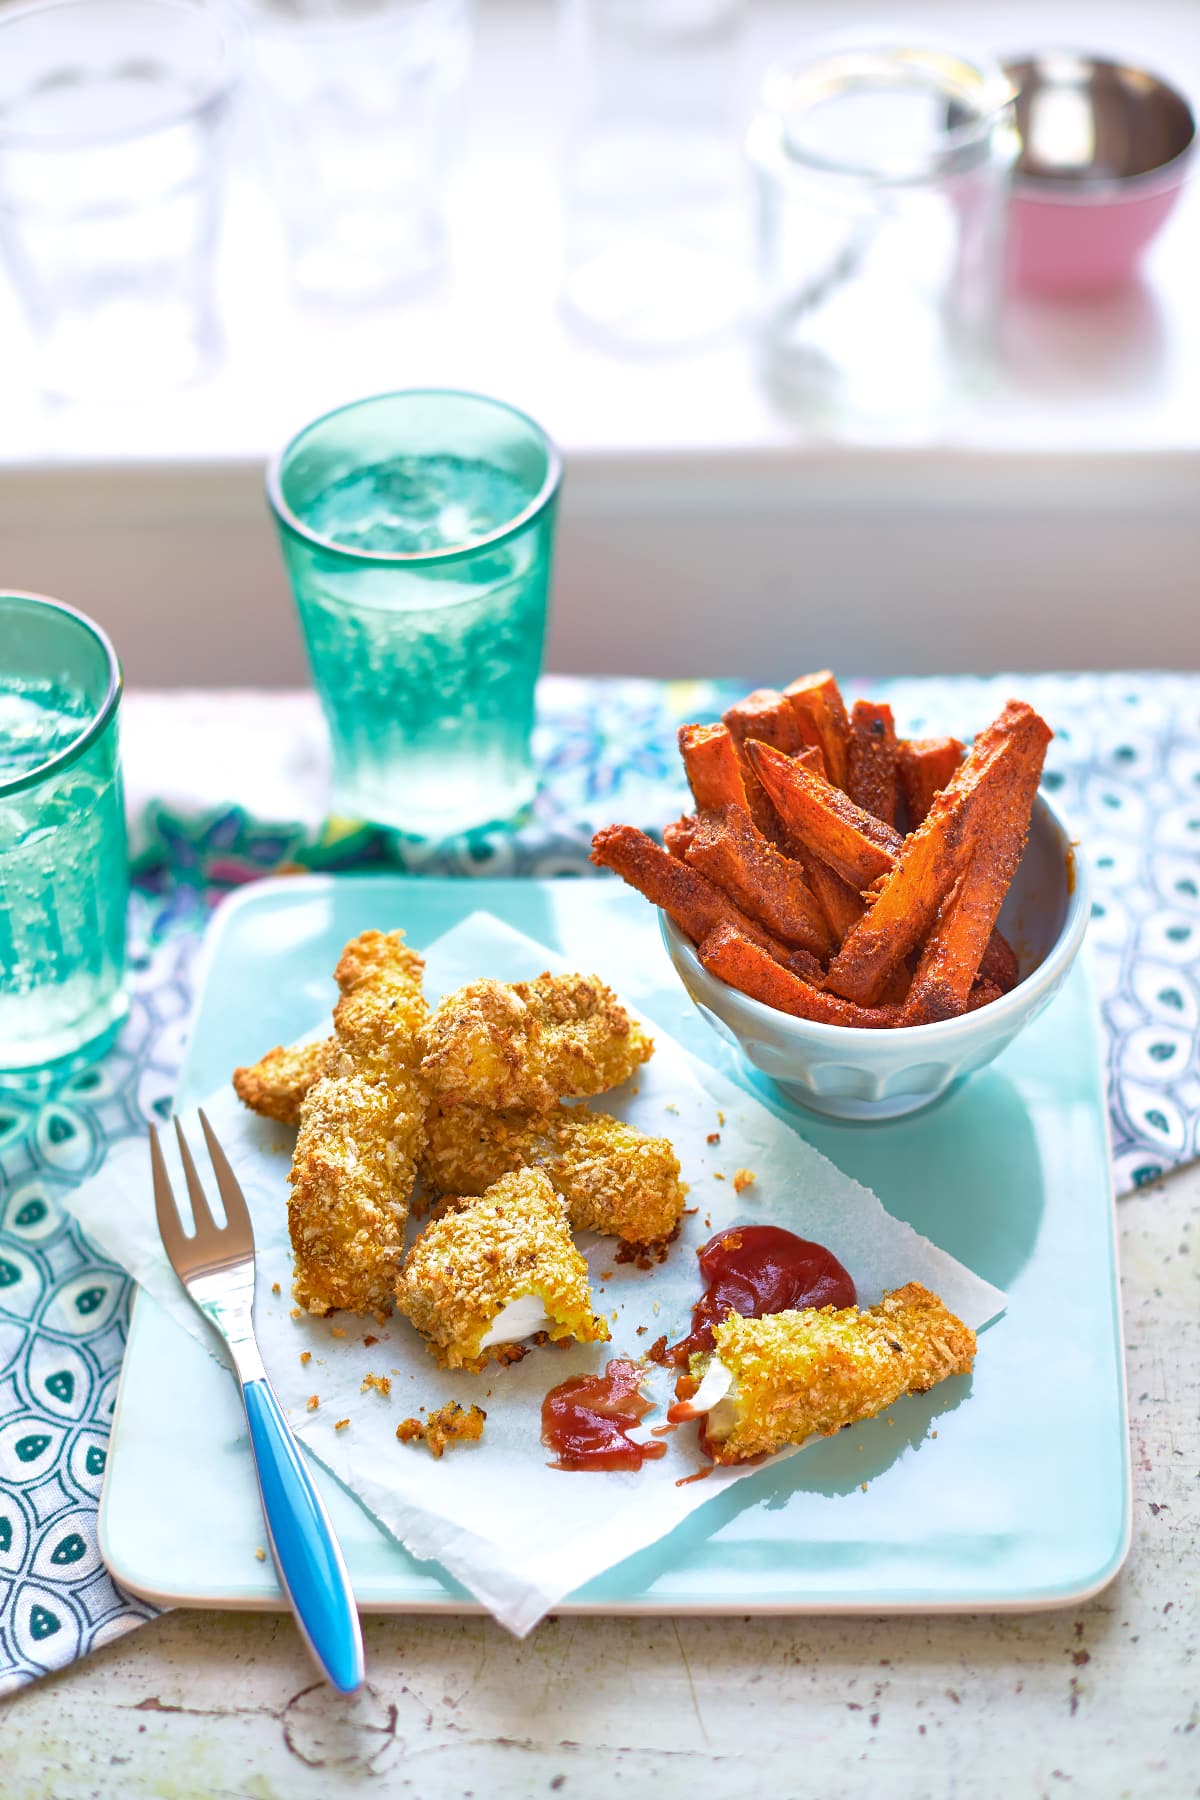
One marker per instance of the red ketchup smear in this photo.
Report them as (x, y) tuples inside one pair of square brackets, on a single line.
[(759, 1269), (585, 1420)]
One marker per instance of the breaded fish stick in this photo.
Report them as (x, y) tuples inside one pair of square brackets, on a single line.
[(530, 1043), (726, 846), (925, 765), (825, 820), (495, 1270), (790, 1376), (361, 1134), (820, 712), (697, 905), (871, 777), (733, 959), (275, 1086), (614, 1179), (907, 900)]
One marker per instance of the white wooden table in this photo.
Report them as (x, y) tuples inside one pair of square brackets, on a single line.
[(1100, 1701)]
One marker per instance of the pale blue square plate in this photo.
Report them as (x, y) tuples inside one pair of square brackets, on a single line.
[(1025, 1502)]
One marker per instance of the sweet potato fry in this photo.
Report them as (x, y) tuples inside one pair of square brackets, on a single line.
[(822, 818), (871, 777), (710, 762), (678, 837), (820, 713), (726, 953), (999, 965), (955, 950), (841, 904), (767, 715), (695, 903), (727, 848), (995, 783), (924, 766)]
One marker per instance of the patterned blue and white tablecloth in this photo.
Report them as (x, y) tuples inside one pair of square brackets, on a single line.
[(225, 788)]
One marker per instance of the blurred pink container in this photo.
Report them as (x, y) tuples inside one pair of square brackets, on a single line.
[(1106, 151)]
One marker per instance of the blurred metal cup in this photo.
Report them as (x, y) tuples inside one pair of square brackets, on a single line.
[(353, 108), (112, 116)]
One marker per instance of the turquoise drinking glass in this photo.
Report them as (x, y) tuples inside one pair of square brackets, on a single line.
[(417, 530), (64, 867)]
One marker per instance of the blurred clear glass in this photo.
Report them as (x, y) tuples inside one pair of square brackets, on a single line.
[(882, 180), (657, 242), (353, 101), (112, 116)]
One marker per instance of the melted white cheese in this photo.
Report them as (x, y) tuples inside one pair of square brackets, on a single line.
[(714, 1397), (519, 1319)]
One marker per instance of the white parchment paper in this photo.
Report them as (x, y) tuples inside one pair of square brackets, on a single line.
[(518, 1534)]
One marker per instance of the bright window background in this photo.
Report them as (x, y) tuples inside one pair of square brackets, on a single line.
[(703, 530)]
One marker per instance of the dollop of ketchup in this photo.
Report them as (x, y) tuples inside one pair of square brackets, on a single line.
[(586, 1420), (760, 1269)]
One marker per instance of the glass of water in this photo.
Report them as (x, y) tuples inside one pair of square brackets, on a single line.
[(64, 877), (417, 530), (353, 108), (112, 116)]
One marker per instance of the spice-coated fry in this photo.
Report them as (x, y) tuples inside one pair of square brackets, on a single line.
[(726, 847), (767, 716), (955, 949), (822, 818), (710, 762), (726, 953), (871, 780), (678, 836), (696, 904), (995, 779), (820, 711), (924, 766)]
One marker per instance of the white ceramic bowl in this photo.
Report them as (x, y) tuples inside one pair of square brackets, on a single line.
[(851, 1074)]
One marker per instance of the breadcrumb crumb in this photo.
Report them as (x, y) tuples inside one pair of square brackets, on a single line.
[(314, 1400), (260, 1553), (275, 1288), (450, 1424), (340, 1424), (296, 1313), (742, 1179), (382, 1385), (336, 1331), (305, 1357), (714, 1137)]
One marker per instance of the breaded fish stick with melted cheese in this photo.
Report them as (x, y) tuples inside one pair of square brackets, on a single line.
[(615, 1180), (790, 1376), (276, 1085), (529, 1044), (493, 1270), (362, 1131)]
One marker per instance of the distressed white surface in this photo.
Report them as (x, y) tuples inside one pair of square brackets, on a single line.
[(1097, 1701)]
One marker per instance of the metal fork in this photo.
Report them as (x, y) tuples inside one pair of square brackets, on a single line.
[(216, 1267)]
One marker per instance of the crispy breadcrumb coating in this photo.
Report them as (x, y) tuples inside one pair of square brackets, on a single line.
[(275, 1086), (483, 1254), (450, 1424), (531, 1043), (797, 1374), (361, 1134), (614, 1179)]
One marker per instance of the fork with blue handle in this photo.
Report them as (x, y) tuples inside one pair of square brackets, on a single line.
[(216, 1266)]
